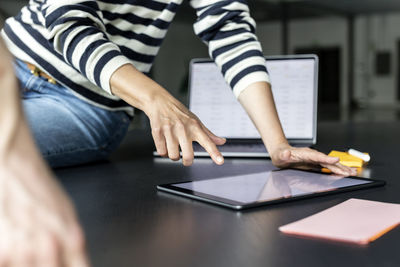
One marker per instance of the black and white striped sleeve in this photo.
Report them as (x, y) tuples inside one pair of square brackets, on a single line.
[(78, 33), (229, 31)]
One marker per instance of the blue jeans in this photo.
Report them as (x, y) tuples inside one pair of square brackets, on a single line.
[(68, 130)]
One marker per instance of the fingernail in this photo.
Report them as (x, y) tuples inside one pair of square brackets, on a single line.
[(220, 159)]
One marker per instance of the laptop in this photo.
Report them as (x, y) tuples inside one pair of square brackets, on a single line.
[(294, 81)]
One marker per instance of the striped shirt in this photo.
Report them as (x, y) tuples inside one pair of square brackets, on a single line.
[(81, 43)]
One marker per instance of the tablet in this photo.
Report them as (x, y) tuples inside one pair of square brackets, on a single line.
[(270, 187)]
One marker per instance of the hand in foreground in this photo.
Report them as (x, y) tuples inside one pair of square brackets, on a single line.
[(174, 126), (286, 156), (38, 226)]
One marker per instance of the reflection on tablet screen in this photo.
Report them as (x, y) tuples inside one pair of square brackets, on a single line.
[(270, 185)]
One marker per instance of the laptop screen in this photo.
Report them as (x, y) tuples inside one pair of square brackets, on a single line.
[(294, 87)]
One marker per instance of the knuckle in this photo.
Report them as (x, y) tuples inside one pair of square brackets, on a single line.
[(179, 125), (194, 122), (213, 152), (156, 130), (167, 126), (211, 147)]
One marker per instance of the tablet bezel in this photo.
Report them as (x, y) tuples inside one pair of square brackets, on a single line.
[(236, 205)]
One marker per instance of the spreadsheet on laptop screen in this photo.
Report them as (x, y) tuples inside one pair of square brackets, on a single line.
[(212, 100)]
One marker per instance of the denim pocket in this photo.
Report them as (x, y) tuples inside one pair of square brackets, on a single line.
[(23, 74)]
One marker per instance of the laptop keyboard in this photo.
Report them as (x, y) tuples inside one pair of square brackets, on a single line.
[(254, 148)]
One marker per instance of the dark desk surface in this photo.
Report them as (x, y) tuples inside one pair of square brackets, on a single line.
[(128, 223)]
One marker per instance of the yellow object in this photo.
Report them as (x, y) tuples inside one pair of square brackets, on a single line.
[(326, 170), (347, 159)]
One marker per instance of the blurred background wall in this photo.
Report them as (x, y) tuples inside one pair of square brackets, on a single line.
[(358, 43)]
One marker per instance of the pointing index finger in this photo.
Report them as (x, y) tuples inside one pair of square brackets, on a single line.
[(211, 148)]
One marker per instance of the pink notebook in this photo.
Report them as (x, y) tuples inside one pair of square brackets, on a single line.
[(355, 220)]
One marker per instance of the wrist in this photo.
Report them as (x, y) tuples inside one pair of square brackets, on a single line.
[(134, 87), (279, 152), (274, 149)]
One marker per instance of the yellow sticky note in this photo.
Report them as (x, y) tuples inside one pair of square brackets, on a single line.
[(347, 159)]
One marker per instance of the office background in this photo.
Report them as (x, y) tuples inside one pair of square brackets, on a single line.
[(358, 43)]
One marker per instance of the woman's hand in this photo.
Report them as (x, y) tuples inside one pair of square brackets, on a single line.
[(174, 127), (38, 225), (286, 156), (259, 103)]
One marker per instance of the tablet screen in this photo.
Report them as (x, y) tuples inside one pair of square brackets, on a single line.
[(269, 186)]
